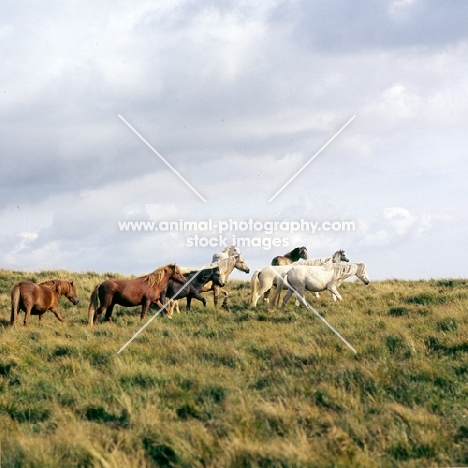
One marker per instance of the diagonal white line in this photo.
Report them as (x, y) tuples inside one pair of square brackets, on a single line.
[(159, 311), (161, 158), (311, 159), (314, 311)]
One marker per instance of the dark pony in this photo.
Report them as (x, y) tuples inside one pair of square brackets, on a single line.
[(290, 257), (193, 289), (37, 299), (144, 290)]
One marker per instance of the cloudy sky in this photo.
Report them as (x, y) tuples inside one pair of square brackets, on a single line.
[(237, 97)]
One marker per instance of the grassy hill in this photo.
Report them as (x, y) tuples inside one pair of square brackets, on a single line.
[(240, 387)]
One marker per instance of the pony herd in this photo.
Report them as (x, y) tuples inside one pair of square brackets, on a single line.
[(163, 287)]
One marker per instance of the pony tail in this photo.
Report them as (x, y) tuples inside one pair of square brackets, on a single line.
[(254, 282), (15, 300), (93, 305)]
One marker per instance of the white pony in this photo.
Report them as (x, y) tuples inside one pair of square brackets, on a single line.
[(320, 278), (263, 280)]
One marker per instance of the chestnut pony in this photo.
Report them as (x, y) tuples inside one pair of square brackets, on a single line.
[(290, 257), (37, 299), (144, 290)]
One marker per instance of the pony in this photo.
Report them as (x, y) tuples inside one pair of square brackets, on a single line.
[(37, 299), (263, 280), (144, 290), (226, 252), (290, 257), (192, 289), (226, 266), (320, 278)]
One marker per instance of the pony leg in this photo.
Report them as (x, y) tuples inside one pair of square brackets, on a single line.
[(169, 310), (57, 314), (257, 296), (286, 299), (215, 295), (298, 300), (280, 285), (145, 307), (265, 290), (275, 300), (301, 298), (109, 310), (335, 294), (13, 316), (27, 315), (97, 313), (224, 305), (169, 307), (198, 296)]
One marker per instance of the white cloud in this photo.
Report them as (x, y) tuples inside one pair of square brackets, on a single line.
[(237, 97), (399, 219), (396, 225)]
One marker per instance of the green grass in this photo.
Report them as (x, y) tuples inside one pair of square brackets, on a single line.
[(241, 387)]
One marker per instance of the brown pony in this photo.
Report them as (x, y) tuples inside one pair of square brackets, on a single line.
[(144, 291), (290, 257), (36, 299)]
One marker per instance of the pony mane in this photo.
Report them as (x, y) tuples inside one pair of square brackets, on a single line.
[(297, 250), (59, 286), (344, 269), (226, 252), (226, 265), (157, 275), (315, 261), (51, 284), (231, 248), (206, 272)]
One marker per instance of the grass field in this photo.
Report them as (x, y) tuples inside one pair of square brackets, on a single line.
[(240, 387)]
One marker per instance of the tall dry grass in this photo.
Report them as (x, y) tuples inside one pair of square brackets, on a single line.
[(241, 387)]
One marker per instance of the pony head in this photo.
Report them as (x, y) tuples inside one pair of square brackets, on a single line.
[(302, 252), (213, 274), (340, 256), (71, 292), (361, 273), (177, 274), (63, 288), (241, 265)]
